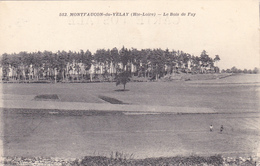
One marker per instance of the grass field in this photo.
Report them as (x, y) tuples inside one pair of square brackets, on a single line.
[(33, 133), (30, 134), (227, 94)]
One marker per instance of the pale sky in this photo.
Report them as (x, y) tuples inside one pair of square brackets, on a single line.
[(229, 29)]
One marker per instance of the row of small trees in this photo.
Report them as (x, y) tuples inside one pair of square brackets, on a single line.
[(152, 63), (245, 71)]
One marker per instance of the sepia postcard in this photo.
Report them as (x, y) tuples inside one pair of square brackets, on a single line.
[(129, 82)]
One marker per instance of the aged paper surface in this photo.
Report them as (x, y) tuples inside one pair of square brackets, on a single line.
[(226, 28)]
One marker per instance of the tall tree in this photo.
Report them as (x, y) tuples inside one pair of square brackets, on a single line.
[(124, 58), (115, 58), (216, 59)]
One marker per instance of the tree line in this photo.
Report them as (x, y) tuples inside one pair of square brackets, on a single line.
[(245, 71), (103, 64)]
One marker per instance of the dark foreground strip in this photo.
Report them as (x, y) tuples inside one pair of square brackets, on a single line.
[(60, 112), (52, 112), (126, 160)]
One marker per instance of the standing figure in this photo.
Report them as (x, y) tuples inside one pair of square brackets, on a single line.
[(210, 128), (221, 128)]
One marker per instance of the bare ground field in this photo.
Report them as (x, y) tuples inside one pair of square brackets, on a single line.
[(31, 134)]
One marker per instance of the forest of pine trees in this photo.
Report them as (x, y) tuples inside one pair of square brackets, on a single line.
[(103, 64)]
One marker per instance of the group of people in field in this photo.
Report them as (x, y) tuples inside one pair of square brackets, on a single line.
[(211, 128)]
